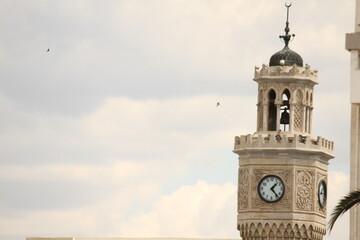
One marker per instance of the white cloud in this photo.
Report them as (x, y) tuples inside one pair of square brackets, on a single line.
[(199, 210), (121, 114), (203, 209)]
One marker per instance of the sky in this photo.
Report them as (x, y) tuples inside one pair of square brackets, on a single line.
[(115, 130)]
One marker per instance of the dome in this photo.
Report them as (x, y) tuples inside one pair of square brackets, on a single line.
[(289, 56)]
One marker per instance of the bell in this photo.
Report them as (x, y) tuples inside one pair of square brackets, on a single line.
[(285, 118)]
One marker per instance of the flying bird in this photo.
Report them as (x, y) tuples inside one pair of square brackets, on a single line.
[(218, 104)]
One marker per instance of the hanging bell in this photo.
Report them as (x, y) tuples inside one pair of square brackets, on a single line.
[(285, 118)]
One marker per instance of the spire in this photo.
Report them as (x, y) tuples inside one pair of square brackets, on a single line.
[(286, 56), (287, 36)]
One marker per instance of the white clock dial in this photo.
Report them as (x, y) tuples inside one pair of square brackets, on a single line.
[(271, 188), (322, 193)]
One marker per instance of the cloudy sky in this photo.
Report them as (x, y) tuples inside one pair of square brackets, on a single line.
[(115, 130)]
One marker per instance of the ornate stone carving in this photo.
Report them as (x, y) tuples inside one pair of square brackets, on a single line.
[(304, 196), (295, 71), (243, 189), (259, 142), (298, 111), (264, 70), (285, 202), (281, 230)]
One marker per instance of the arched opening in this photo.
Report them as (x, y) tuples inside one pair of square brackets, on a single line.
[(260, 120), (272, 111), (285, 110)]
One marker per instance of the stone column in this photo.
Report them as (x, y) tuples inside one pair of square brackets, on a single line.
[(278, 105), (266, 116), (310, 119), (303, 118), (291, 122), (307, 119)]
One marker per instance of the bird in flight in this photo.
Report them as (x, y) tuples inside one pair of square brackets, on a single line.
[(218, 104)]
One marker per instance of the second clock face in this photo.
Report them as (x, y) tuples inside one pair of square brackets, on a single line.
[(322, 193), (271, 188)]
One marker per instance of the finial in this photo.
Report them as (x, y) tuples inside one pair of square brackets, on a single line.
[(287, 36)]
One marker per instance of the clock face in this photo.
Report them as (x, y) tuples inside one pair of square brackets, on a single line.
[(322, 194), (271, 188)]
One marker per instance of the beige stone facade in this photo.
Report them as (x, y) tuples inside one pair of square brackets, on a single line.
[(117, 238), (290, 153), (353, 45)]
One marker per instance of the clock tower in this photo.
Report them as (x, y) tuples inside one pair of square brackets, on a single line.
[(282, 178)]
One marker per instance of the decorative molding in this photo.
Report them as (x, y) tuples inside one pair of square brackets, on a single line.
[(285, 202), (304, 192), (286, 71), (250, 230), (289, 142), (279, 88), (243, 189)]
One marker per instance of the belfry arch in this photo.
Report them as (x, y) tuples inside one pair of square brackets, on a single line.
[(285, 110), (272, 116)]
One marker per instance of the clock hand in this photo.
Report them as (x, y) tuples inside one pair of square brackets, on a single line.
[(272, 189)]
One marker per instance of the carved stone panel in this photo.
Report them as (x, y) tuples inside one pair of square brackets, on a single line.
[(243, 189), (285, 202), (304, 195), (298, 111)]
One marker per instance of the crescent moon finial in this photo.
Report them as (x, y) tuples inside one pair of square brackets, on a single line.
[(287, 37)]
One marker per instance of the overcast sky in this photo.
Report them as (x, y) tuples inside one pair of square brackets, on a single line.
[(115, 130)]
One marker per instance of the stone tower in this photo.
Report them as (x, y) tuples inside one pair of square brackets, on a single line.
[(353, 45), (282, 177)]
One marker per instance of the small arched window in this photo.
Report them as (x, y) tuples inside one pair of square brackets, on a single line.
[(285, 109), (272, 111)]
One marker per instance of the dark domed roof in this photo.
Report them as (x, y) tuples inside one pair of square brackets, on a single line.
[(289, 56)]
